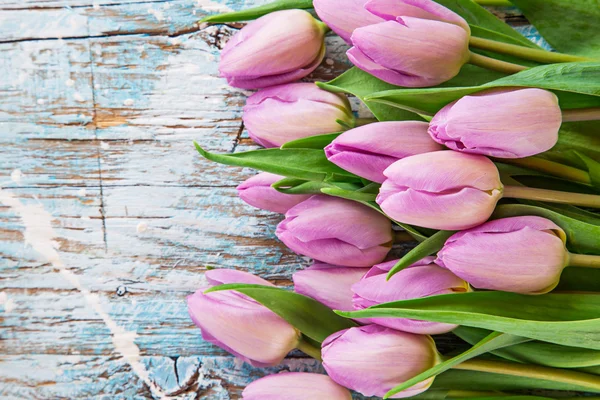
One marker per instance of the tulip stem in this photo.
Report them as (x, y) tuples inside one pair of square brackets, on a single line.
[(494, 3), (364, 121), (523, 52), (581, 114), (581, 379), (583, 260), (496, 65), (465, 394), (309, 349), (552, 196), (551, 167), (403, 236)]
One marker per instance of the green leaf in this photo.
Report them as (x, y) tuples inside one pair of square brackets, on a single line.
[(308, 164), (300, 186), (582, 161), (311, 142), (349, 194), (567, 319), (570, 26), (575, 279), (535, 352), (492, 341), (257, 12), (582, 237), (426, 248), (310, 317)]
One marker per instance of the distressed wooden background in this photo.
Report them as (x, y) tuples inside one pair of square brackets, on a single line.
[(108, 217)]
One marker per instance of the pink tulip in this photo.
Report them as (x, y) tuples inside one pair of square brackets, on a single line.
[(419, 280), (257, 192), (337, 231), (295, 386), (505, 123), (280, 47), (518, 254), (344, 16), (240, 325), (373, 359), (368, 150), (420, 43), (441, 190), (329, 284), (283, 113)]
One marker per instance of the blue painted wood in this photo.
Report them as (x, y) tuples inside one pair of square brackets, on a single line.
[(99, 103)]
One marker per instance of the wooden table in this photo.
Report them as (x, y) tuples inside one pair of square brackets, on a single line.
[(108, 217)]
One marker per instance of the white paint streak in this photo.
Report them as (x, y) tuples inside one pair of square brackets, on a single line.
[(8, 304), (210, 5), (128, 102), (16, 176), (39, 234), (81, 192), (104, 145), (78, 97), (70, 83)]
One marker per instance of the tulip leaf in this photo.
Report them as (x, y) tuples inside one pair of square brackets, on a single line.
[(311, 142), (313, 319), (300, 186), (257, 12), (308, 164), (578, 160), (535, 352), (576, 279), (570, 26), (582, 236), (567, 319), (426, 248), (493, 341)]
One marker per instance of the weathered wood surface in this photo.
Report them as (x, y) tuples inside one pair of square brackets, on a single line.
[(108, 218)]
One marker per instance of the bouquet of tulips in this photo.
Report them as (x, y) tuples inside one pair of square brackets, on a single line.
[(484, 151)]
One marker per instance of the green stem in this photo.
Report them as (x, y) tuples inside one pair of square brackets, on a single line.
[(364, 121), (403, 236), (526, 53), (465, 394), (496, 65), (551, 167), (583, 260), (581, 379), (552, 196), (494, 3), (309, 349), (581, 114)]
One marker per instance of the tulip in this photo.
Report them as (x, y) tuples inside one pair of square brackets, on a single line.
[(519, 254), (279, 114), (337, 231), (505, 123), (344, 16), (419, 280), (328, 284), (441, 190), (257, 192), (368, 150), (373, 359), (295, 386), (280, 47), (420, 43), (240, 325)]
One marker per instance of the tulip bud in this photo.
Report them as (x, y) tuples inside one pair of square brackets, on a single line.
[(257, 192), (337, 231), (421, 43), (328, 284), (419, 280), (441, 190), (277, 48), (506, 123), (279, 114), (373, 359), (295, 386), (368, 150), (240, 325), (519, 254), (344, 16)]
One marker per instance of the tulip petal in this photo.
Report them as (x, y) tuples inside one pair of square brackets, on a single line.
[(257, 192), (296, 386), (344, 16)]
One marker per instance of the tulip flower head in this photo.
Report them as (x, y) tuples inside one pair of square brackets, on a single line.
[(283, 113), (419, 280), (295, 386), (240, 325), (519, 254), (441, 190), (337, 231), (373, 359), (368, 150), (344, 16), (419, 44), (504, 123), (257, 192), (277, 48), (329, 284)]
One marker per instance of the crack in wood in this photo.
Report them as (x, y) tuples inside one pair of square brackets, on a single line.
[(238, 137), (90, 5)]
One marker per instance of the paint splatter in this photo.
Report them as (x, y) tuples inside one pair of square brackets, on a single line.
[(70, 83), (141, 227), (78, 97), (128, 102), (16, 176), (104, 145)]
